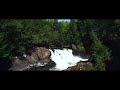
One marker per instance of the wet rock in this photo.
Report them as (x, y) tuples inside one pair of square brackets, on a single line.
[(81, 66), (46, 67), (27, 61)]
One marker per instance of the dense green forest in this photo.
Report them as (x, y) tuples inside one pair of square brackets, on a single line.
[(97, 37)]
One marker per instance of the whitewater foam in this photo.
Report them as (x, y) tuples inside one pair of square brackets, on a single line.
[(64, 58)]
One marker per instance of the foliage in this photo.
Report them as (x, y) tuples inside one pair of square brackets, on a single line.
[(81, 48), (99, 53)]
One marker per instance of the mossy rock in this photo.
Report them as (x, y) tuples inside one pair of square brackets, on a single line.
[(81, 49), (78, 49), (74, 47)]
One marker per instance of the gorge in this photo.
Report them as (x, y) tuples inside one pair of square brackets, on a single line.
[(43, 59)]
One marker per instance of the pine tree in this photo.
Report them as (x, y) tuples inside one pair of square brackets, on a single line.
[(99, 53)]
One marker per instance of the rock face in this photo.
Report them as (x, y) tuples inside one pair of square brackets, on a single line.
[(42, 53), (39, 54), (46, 67), (81, 66)]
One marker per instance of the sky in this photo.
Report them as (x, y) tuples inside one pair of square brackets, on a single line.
[(59, 20)]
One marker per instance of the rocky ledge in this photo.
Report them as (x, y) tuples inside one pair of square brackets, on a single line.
[(40, 56), (81, 66)]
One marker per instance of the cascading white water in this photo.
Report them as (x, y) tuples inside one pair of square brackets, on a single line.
[(64, 58)]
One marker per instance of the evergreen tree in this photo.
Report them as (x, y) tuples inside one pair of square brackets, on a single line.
[(99, 53)]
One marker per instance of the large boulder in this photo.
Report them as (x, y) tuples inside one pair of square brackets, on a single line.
[(32, 58), (39, 54), (42, 53)]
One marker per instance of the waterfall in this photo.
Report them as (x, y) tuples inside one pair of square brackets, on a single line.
[(64, 58)]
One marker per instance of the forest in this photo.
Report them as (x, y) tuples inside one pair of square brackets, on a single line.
[(100, 38)]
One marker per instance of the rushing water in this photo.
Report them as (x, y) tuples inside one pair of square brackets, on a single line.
[(64, 58), (61, 60)]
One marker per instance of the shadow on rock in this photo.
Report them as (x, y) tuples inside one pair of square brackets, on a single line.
[(5, 64)]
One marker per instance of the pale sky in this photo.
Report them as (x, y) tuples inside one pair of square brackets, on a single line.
[(59, 20)]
